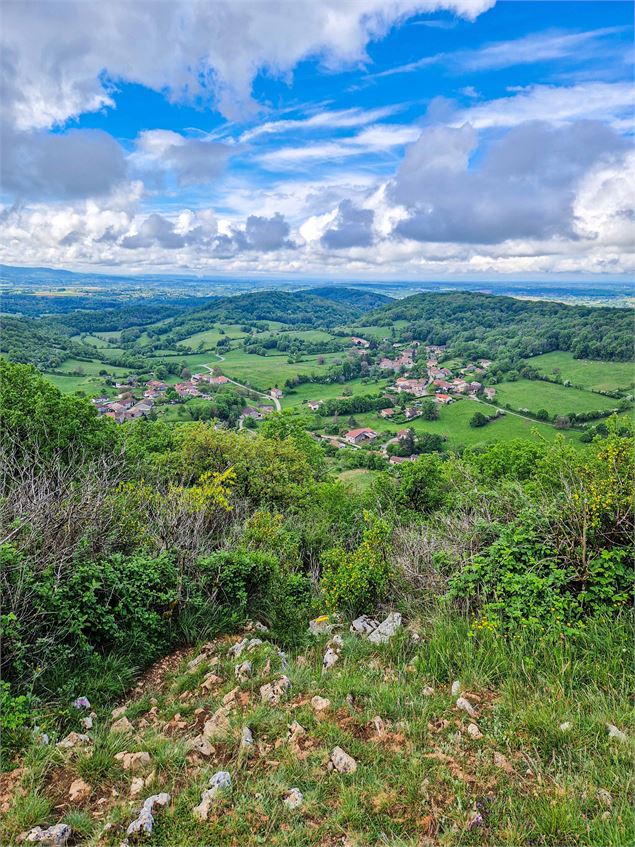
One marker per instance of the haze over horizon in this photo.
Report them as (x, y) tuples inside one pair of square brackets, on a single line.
[(458, 139)]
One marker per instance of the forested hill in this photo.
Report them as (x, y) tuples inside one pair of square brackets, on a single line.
[(492, 326), (323, 307)]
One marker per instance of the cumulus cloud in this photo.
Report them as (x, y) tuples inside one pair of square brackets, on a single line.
[(353, 227), (522, 186), (192, 160), (67, 56), (73, 164)]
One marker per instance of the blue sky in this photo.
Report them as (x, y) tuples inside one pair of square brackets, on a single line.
[(415, 140)]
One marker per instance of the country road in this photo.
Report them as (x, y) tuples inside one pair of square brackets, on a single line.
[(275, 400)]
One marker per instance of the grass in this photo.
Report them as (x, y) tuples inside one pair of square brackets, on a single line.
[(556, 399), (210, 337), (263, 372), (420, 778), (302, 394), (601, 376), (358, 479), (454, 424)]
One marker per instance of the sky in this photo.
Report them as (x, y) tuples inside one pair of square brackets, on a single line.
[(393, 139)]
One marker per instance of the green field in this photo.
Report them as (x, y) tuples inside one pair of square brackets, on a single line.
[(210, 337), (264, 372), (556, 399), (358, 479), (317, 391), (454, 424), (602, 376)]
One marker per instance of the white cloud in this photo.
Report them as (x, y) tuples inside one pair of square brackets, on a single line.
[(57, 57), (334, 119)]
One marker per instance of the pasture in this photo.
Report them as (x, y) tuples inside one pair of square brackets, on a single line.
[(602, 376), (302, 394), (556, 399)]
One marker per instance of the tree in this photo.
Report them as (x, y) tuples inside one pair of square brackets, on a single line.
[(478, 419), (562, 422), (542, 415), (186, 373), (429, 410)]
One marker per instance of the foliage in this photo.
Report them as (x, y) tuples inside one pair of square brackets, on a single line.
[(356, 581), (16, 717)]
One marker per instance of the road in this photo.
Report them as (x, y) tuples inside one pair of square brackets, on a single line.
[(515, 414), (275, 400)]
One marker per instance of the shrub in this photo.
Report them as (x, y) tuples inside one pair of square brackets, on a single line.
[(355, 581), (16, 716)]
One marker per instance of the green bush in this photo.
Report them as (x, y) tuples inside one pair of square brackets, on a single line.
[(16, 717), (356, 581)]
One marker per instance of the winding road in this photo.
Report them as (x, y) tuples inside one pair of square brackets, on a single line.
[(275, 400)]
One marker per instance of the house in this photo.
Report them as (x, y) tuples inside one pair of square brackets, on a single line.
[(403, 434), (484, 363), (252, 412), (360, 342), (117, 408), (117, 417), (276, 393), (314, 405), (444, 399), (358, 436), (134, 413), (460, 386), (152, 395), (475, 386), (156, 385), (265, 410), (386, 413), (387, 364), (490, 393), (442, 385), (412, 386), (218, 380), (412, 413), (397, 460)]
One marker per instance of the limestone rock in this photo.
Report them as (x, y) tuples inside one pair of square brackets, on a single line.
[(616, 733), (210, 681), (342, 762), (73, 739), (122, 725), (79, 791), (273, 692), (565, 726), (221, 781), (284, 661), (196, 661), (201, 745), (296, 731), (386, 629), (464, 704), (254, 644), (218, 725), (133, 761), (230, 697), (320, 704), (247, 737), (118, 712), (474, 732), (243, 671), (293, 798), (54, 836), (501, 762), (143, 825), (330, 658), (136, 786), (364, 625), (337, 642), (321, 626), (235, 650), (427, 691), (456, 688), (87, 722)]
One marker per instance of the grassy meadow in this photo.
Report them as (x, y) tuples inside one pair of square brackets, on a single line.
[(601, 376), (556, 399)]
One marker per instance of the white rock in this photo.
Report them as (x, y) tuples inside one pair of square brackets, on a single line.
[(466, 706), (221, 781), (284, 662), (79, 791), (73, 739), (616, 733), (386, 629), (293, 799), (427, 691), (143, 825), (243, 671), (273, 692), (198, 660), (122, 725), (342, 762), (254, 643), (247, 737), (87, 722), (201, 745), (296, 731), (235, 651), (330, 658), (136, 786), (337, 642), (474, 732), (218, 725), (320, 704), (54, 836), (118, 712), (456, 688), (566, 726), (364, 625), (321, 626)]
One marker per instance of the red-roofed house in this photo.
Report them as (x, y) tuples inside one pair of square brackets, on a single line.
[(357, 436)]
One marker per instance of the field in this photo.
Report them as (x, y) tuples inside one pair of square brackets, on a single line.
[(556, 399), (602, 376), (316, 391), (358, 479), (211, 337), (264, 372), (454, 424)]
